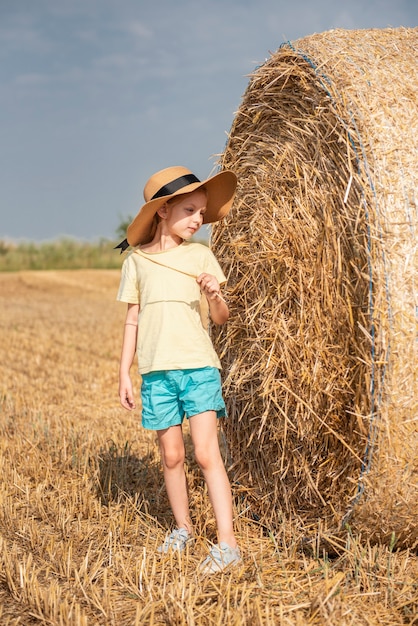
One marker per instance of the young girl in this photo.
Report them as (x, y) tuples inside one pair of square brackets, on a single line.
[(163, 279)]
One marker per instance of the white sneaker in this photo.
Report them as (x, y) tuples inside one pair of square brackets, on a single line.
[(176, 540), (220, 557)]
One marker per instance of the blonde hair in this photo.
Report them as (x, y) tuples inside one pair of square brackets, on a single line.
[(171, 202)]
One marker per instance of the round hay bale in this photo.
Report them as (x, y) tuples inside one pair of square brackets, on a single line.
[(320, 352)]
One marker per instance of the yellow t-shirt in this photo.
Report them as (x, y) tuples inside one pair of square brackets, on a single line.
[(170, 331)]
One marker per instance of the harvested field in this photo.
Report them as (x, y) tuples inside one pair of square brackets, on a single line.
[(82, 503)]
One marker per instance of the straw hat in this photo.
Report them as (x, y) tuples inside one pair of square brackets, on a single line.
[(174, 181)]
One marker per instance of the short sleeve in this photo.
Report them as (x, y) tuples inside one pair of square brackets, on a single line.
[(128, 286), (212, 267)]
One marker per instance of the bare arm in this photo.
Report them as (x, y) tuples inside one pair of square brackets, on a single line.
[(127, 356), (218, 308)]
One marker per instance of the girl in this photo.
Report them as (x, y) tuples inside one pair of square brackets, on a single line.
[(162, 281)]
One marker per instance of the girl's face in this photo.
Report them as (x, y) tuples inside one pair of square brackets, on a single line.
[(183, 219)]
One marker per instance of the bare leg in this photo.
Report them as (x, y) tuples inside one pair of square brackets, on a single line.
[(204, 433), (173, 456)]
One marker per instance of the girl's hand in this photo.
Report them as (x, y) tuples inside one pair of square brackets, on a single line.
[(126, 395), (209, 285), (218, 308)]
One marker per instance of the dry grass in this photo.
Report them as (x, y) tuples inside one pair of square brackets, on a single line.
[(320, 251), (82, 503)]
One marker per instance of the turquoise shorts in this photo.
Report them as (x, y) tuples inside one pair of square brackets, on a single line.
[(171, 395)]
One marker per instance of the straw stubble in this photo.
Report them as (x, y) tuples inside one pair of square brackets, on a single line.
[(83, 505)]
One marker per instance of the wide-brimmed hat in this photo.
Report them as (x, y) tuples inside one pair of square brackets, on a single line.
[(174, 181)]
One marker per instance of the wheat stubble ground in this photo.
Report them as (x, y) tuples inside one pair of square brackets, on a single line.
[(82, 503)]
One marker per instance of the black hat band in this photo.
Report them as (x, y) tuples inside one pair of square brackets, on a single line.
[(175, 185)]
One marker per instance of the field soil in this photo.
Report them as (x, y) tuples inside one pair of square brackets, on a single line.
[(83, 505)]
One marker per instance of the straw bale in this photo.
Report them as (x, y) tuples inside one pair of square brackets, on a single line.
[(320, 352)]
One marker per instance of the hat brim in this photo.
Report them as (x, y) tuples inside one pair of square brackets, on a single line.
[(220, 193)]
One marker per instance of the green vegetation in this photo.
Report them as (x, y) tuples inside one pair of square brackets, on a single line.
[(66, 253), (59, 255)]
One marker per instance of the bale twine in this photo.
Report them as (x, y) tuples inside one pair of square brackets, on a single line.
[(320, 352)]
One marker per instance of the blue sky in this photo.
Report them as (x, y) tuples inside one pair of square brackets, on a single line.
[(96, 95)]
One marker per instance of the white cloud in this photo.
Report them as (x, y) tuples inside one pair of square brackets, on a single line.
[(31, 80), (139, 29), (22, 35)]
